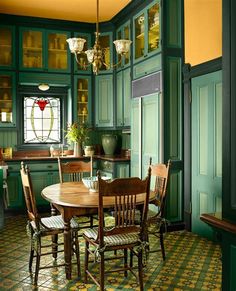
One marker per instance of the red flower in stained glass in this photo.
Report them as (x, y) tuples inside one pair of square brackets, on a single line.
[(42, 103)]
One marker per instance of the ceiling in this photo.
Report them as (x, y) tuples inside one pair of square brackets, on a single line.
[(74, 10)]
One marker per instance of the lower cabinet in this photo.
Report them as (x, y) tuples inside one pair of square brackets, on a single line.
[(114, 169), (42, 175)]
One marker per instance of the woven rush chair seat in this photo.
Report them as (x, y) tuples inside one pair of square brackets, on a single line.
[(119, 239), (53, 222), (124, 234), (42, 227)]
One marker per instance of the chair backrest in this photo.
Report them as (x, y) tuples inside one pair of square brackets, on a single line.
[(125, 194), (30, 200), (75, 170), (161, 174)]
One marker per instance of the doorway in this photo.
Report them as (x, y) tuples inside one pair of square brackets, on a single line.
[(206, 149)]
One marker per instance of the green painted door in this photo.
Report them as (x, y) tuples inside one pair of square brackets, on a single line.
[(206, 149)]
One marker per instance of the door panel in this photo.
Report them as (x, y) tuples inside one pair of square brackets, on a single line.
[(206, 149)]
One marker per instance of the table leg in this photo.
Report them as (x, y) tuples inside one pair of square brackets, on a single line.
[(67, 247)]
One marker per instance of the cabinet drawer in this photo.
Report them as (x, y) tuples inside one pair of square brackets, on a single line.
[(146, 67), (43, 167)]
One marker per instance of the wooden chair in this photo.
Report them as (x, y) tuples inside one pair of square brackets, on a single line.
[(156, 221), (75, 171), (125, 234), (41, 227)]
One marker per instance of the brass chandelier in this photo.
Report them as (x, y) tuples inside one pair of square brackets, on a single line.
[(96, 55)]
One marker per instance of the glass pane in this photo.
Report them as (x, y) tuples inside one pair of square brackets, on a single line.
[(105, 44), (83, 61), (5, 47), (139, 36), (127, 36), (57, 51), (82, 100), (41, 119), (119, 56), (153, 28), (32, 49), (5, 99)]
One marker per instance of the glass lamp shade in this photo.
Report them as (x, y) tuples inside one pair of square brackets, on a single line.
[(76, 45), (90, 55), (122, 46)]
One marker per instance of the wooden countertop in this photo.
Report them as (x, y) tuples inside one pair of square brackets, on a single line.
[(216, 220), (116, 158)]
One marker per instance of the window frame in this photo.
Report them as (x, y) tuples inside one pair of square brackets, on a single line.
[(33, 91)]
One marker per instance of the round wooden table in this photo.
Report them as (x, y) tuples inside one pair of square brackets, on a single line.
[(71, 199)]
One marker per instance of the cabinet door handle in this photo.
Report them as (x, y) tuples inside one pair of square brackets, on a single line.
[(49, 166)]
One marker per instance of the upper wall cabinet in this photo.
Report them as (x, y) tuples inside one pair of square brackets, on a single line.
[(147, 32), (83, 105), (7, 49), (42, 50), (83, 66), (123, 32), (104, 101), (7, 99)]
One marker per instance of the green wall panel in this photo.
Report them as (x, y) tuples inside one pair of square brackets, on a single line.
[(174, 196), (173, 21), (174, 108), (8, 138), (52, 79)]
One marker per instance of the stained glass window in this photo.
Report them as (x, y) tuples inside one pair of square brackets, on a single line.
[(42, 120)]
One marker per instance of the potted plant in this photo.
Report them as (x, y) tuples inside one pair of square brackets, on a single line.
[(77, 134)]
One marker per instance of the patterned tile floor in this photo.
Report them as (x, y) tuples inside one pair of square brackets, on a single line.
[(192, 263)]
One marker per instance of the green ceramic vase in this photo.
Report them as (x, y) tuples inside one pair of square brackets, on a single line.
[(109, 143)]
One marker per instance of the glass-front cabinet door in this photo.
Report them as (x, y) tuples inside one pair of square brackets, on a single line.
[(7, 49), (83, 106), (83, 66), (42, 50), (7, 99), (32, 49), (57, 52), (123, 32), (147, 32), (105, 40)]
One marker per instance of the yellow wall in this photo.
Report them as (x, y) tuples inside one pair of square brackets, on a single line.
[(203, 30)]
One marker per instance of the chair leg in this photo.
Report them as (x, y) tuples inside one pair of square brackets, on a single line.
[(102, 272), (54, 245), (91, 221), (140, 270), (86, 259), (77, 251), (162, 246), (125, 262), (38, 256), (31, 255)]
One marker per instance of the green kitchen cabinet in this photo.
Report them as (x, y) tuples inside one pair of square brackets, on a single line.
[(123, 32), (15, 192), (44, 50), (123, 98), (105, 41), (83, 102), (147, 66), (83, 66), (42, 174), (147, 32), (114, 169), (7, 99), (104, 101), (7, 47)]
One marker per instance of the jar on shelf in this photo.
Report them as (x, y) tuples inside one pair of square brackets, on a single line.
[(83, 98)]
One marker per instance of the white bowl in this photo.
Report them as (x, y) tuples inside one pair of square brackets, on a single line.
[(92, 182)]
